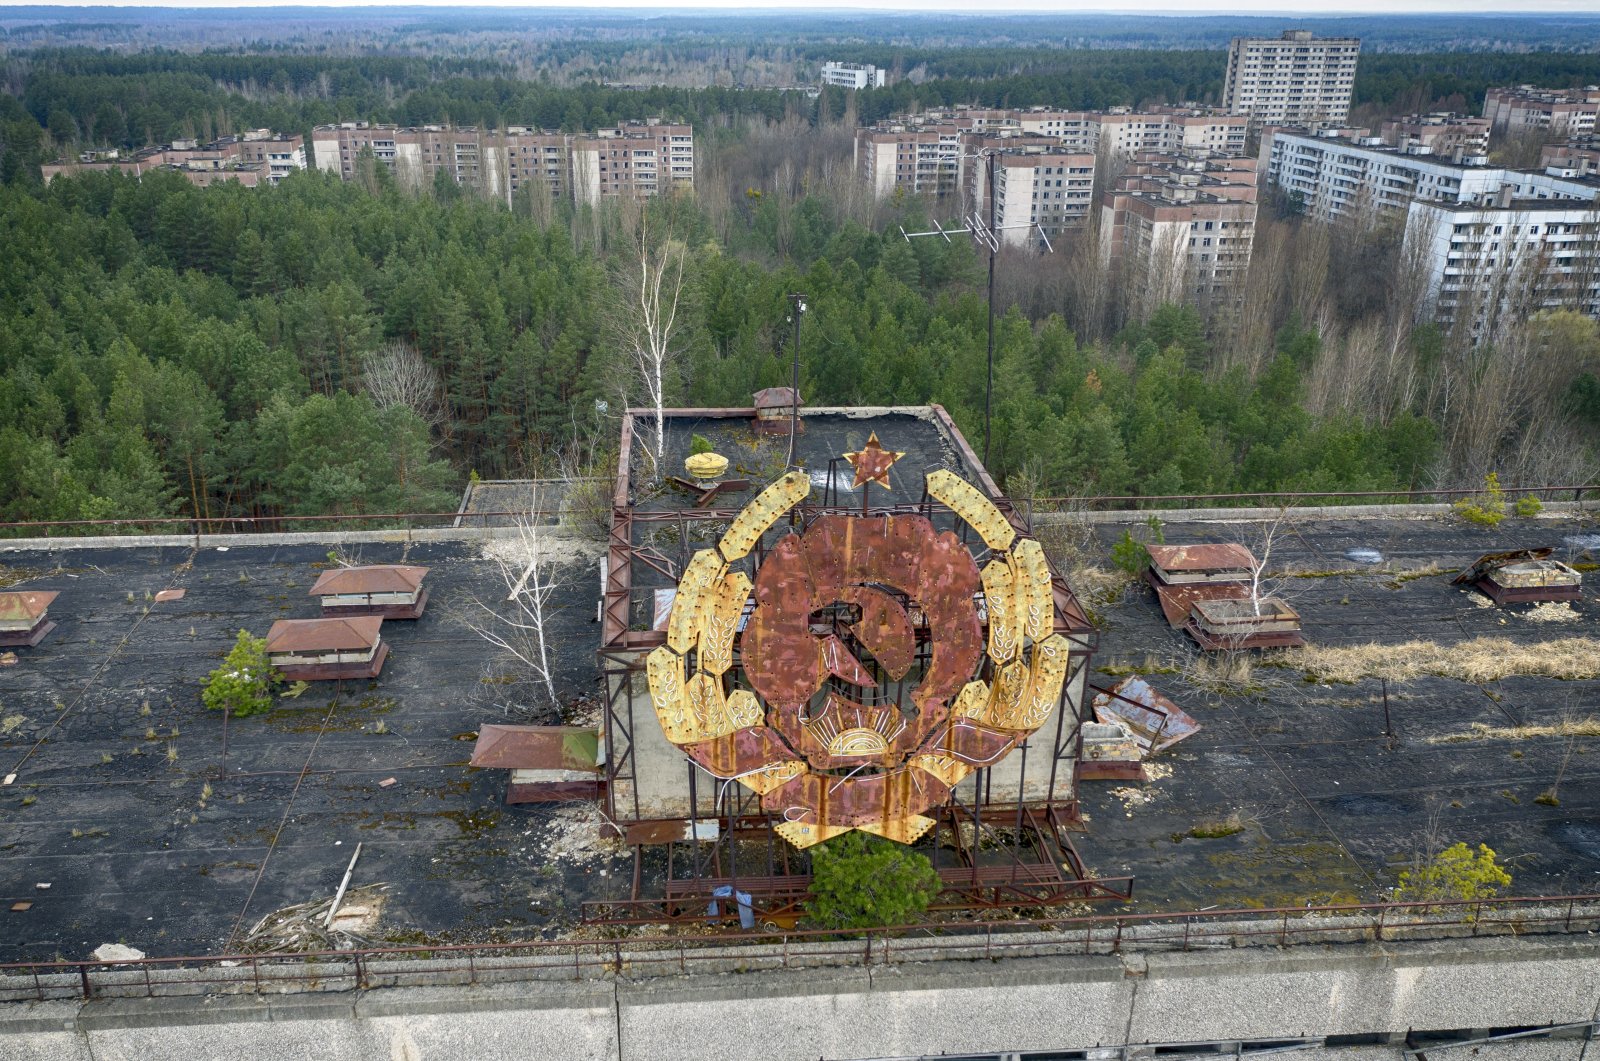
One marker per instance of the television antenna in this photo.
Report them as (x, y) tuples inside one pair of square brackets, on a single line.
[(986, 234)]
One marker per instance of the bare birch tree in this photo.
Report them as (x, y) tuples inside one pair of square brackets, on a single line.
[(527, 565), (645, 322)]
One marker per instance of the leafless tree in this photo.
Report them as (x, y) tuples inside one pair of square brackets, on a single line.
[(644, 321), (527, 565), (396, 374), (1260, 539)]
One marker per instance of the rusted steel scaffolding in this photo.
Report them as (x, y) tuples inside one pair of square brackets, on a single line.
[(993, 849)]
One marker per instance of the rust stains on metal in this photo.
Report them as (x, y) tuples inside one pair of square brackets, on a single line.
[(842, 664), (1201, 559), (1177, 601), (354, 634), (1523, 576), (884, 629), (872, 462), (375, 578), (537, 748), (888, 585), (27, 605), (781, 659), (1155, 722), (740, 752)]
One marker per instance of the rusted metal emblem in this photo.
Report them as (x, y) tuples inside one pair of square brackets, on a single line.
[(864, 656)]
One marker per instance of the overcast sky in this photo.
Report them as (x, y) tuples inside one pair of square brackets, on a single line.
[(1147, 7)]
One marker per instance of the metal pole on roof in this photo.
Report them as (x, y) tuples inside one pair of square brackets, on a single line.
[(797, 307), (988, 394)]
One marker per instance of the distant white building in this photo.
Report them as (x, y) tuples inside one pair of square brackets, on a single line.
[(854, 75), (1296, 79)]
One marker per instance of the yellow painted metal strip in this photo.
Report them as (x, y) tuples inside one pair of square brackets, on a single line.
[(664, 668), (907, 830), (769, 505), (720, 621), (1050, 659), (1035, 600), (688, 609), (1000, 600), (770, 777), (805, 834), (968, 502), (946, 768)]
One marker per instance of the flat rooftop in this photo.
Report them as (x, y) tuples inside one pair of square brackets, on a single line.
[(1330, 808), (118, 804)]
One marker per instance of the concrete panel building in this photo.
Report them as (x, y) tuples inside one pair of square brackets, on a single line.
[(1578, 157), (934, 152), (1040, 188), (1573, 112), (1336, 176), (1182, 226), (1439, 133), (1509, 256), (1121, 133), (253, 158), (917, 156), (1297, 78), (635, 159)]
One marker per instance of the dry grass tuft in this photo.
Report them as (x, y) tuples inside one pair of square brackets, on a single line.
[(1411, 574), (1588, 726), (1222, 672), (1096, 586), (1483, 659)]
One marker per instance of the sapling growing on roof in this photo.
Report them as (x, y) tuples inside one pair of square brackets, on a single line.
[(243, 684)]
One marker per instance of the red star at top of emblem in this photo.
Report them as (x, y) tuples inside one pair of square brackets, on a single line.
[(872, 462)]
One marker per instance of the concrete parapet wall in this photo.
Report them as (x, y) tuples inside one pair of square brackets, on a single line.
[(1551, 510), (1055, 1002), (326, 537)]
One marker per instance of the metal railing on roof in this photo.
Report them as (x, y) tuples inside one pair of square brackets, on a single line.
[(191, 527), (466, 964)]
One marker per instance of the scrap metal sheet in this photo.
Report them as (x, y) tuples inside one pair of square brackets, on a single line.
[(1155, 722)]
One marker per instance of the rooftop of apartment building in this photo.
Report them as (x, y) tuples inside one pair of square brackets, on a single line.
[(1364, 140), (1536, 94), (156, 156), (120, 808), (509, 130), (1297, 36)]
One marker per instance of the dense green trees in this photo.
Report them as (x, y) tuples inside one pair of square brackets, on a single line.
[(172, 350), (115, 98)]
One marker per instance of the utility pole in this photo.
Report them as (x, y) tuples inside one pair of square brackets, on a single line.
[(797, 306), (986, 233), (988, 391)]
